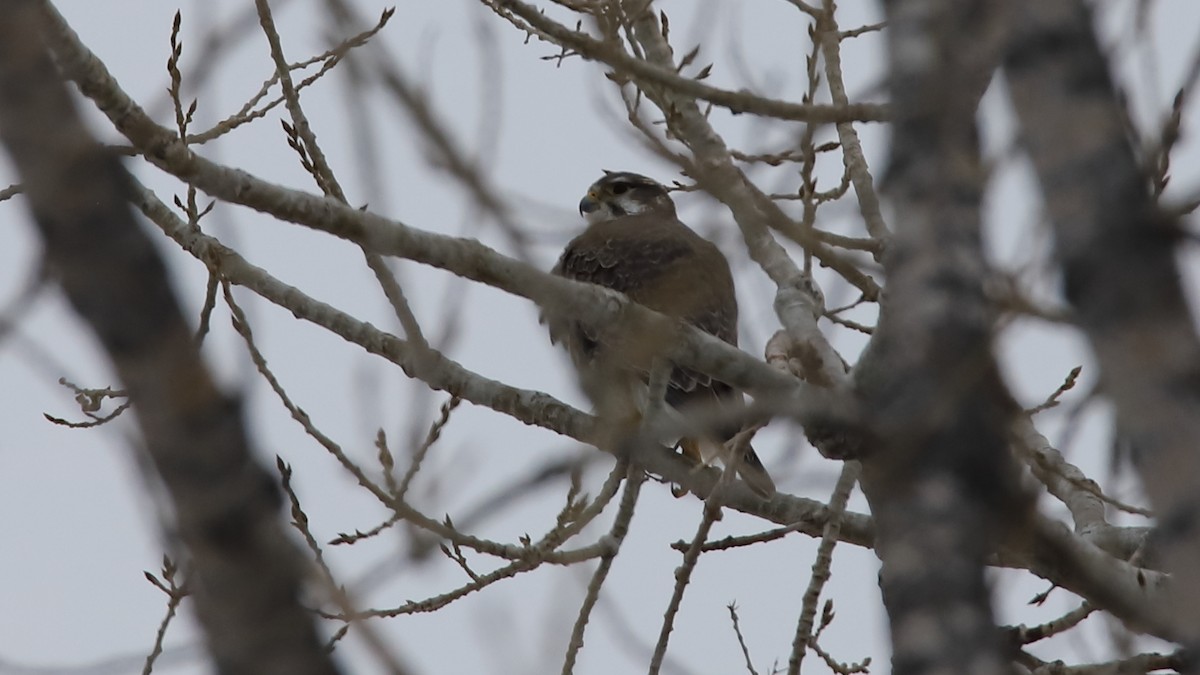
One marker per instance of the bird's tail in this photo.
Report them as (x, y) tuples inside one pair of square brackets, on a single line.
[(750, 467), (752, 471)]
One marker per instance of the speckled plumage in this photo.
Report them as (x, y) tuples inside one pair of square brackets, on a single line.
[(636, 245)]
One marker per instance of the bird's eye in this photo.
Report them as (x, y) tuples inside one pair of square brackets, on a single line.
[(620, 188)]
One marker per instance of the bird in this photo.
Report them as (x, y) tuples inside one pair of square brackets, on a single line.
[(634, 243)]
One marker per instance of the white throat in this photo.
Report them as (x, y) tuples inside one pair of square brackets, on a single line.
[(624, 207)]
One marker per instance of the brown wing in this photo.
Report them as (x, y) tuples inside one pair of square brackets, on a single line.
[(619, 256), (660, 263)]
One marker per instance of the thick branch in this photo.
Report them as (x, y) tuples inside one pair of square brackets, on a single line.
[(941, 481), (798, 301), (444, 374), (754, 212), (1118, 255), (465, 257), (1082, 568), (245, 573)]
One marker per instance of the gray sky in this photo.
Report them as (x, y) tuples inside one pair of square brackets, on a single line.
[(78, 527)]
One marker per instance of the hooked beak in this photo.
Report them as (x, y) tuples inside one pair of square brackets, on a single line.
[(588, 204)]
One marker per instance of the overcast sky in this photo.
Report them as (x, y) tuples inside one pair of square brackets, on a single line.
[(77, 528)]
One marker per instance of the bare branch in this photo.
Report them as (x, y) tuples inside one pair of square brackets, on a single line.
[(941, 480), (616, 536), (655, 73), (246, 573), (852, 153), (1118, 256), (822, 565)]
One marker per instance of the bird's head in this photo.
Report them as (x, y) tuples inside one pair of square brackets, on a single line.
[(621, 193)]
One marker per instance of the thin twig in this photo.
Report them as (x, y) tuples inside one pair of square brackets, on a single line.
[(737, 630), (418, 456), (1028, 634), (175, 595), (852, 152), (822, 566), (746, 540), (530, 18), (683, 573), (635, 476), (1053, 399)]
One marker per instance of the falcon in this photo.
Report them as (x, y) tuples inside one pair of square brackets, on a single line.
[(635, 244)]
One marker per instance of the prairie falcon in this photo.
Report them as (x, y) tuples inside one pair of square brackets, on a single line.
[(635, 244)]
